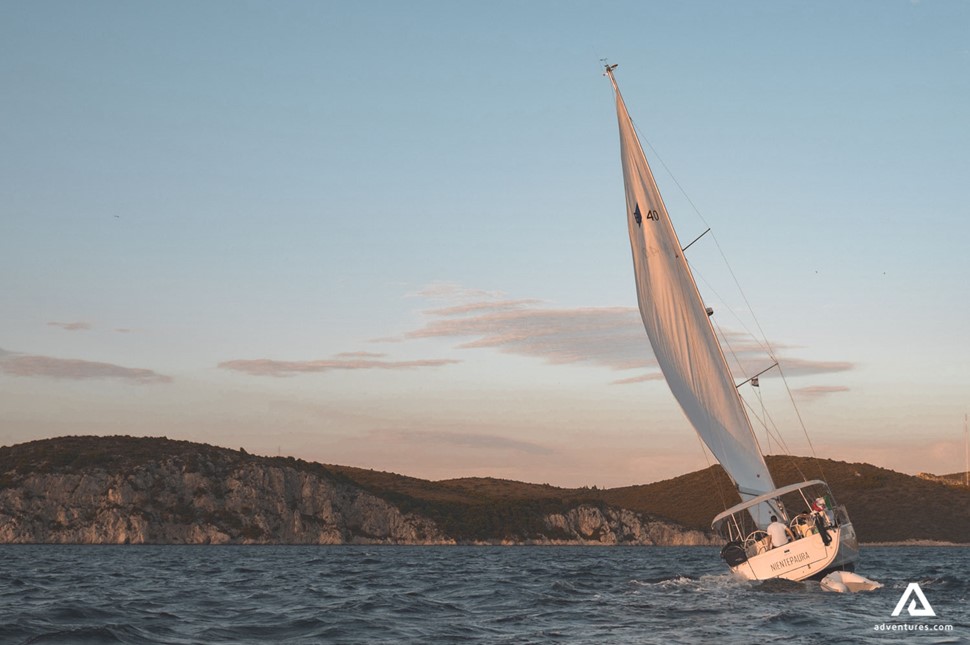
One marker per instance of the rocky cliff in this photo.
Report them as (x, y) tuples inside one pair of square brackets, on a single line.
[(214, 497), (120, 490), (591, 524)]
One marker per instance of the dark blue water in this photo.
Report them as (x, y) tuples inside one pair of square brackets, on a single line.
[(208, 594)]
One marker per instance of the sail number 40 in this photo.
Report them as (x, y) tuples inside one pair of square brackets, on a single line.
[(651, 214)]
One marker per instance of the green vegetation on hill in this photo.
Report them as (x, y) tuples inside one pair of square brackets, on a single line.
[(475, 508), (885, 506), (123, 454)]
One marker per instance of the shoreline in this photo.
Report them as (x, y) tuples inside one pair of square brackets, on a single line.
[(907, 543), (914, 543)]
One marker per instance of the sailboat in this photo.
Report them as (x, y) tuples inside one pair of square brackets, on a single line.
[(817, 536)]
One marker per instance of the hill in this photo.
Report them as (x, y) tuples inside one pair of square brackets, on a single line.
[(155, 490), (116, 489), (885, 506)]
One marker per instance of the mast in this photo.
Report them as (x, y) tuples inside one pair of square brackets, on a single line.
[(679, 327), (609, 72)]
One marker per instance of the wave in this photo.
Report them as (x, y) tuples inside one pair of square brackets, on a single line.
[(170, 596), (97, 635)]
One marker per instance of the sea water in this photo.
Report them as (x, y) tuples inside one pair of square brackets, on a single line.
[(395, 594)]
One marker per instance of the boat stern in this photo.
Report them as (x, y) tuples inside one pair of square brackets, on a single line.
[(812, 543)]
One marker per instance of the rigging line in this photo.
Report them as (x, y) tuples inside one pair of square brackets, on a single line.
[(754, 414), (776, 433), (744, 297), (769, 425), (786, 450), (772, 431), (754, 435), (710, 469), (771, 428), (764, 411), (767, 422), (724, 339), (734, 277), (801, 422), (770, 367), (731, 310), (737, 284), (662, 163), (720, 439), (697, 238)]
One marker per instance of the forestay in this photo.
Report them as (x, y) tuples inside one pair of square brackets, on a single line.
[(677, 325)]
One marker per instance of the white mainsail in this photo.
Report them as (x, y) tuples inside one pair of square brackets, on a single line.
[(679, 330)]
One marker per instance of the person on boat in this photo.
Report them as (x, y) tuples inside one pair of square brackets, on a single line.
[(822, 530), (823, 519), (778, 532), (820, 510)]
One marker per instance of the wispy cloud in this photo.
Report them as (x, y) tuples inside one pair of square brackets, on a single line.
[(452, 291), (27, 365), (605, 336), (643, 378), (360, 355), (71, 326), (610, 337), (268, 367), (752, 359), (477, 441), (803, 367), (818, 391), (498, 305)]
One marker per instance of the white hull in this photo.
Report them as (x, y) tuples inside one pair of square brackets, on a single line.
[(804, 558)]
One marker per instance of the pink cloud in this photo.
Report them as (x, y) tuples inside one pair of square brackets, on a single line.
[(818, 391), (462, 439), (453, 291), (74, 369), (498, 305), (607, 336), (360, 355), (71, 326), (644, 378), (610, 337), (267, 367)]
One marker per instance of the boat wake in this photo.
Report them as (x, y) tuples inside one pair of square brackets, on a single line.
[(707, 584), (780, 585)]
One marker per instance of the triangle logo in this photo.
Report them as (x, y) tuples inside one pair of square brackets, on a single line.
[(924, 610)]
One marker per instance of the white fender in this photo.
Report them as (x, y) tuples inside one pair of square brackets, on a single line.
[(843, 581), (832, 585)]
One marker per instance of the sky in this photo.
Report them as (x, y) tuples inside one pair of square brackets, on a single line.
[(392, 234)]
